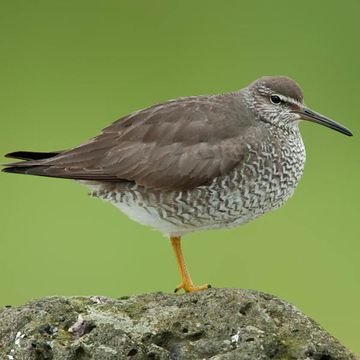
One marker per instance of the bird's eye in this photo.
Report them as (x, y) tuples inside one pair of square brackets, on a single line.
[(275, 99)]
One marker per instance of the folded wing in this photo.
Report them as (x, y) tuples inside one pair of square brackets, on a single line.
[(180, 144)]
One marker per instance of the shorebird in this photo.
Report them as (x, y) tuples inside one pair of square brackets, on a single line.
[(193, 163)]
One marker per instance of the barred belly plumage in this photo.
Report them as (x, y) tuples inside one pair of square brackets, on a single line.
[(263, 182)]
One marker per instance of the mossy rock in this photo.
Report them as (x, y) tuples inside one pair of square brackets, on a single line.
[(213, 324)]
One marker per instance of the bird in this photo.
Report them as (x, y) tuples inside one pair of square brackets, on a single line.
[(193, 163)]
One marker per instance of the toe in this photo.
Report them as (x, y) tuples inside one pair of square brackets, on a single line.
[(191, 287)]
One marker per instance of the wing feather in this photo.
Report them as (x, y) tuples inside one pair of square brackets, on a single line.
[(180, 144)]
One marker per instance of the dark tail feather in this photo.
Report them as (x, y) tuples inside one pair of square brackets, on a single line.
[(15, 170), (36, 164), (34, 168), (25, 169), (31, 155)]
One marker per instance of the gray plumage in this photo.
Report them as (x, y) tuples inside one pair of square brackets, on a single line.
[(193, 163)]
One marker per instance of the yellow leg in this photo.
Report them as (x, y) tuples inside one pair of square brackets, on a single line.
[(186, 283)]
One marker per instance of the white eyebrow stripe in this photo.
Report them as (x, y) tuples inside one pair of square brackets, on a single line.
[(266, 90), (289, 100)]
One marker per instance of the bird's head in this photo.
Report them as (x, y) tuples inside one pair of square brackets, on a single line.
[(278, 100)]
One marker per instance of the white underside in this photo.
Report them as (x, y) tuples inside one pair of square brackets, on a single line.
[(149, 216)]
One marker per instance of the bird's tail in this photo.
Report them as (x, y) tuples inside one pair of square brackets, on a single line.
[(31, 155), (30, 158), (53, 164)]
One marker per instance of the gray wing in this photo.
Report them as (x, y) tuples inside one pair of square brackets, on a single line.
[(180, 144)]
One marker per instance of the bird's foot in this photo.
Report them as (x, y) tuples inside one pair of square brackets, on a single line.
[(191, 287)]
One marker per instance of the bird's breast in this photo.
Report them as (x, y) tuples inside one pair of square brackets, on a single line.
[(269, 174)]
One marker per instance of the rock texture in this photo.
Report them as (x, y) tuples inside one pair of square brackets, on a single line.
[(214, 324)]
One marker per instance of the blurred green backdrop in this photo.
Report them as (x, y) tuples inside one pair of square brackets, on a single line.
[(70, 67)]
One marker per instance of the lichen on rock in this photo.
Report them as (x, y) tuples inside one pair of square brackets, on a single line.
[(213, 324)]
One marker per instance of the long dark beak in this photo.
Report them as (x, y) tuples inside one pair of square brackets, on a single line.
[(307, 114)]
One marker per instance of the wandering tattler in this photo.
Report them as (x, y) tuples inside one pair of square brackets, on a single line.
[(193, 163)]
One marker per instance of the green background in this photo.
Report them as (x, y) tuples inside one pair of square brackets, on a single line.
[(70, 67)]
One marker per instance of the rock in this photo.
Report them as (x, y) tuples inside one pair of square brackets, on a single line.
[(213, 324)]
